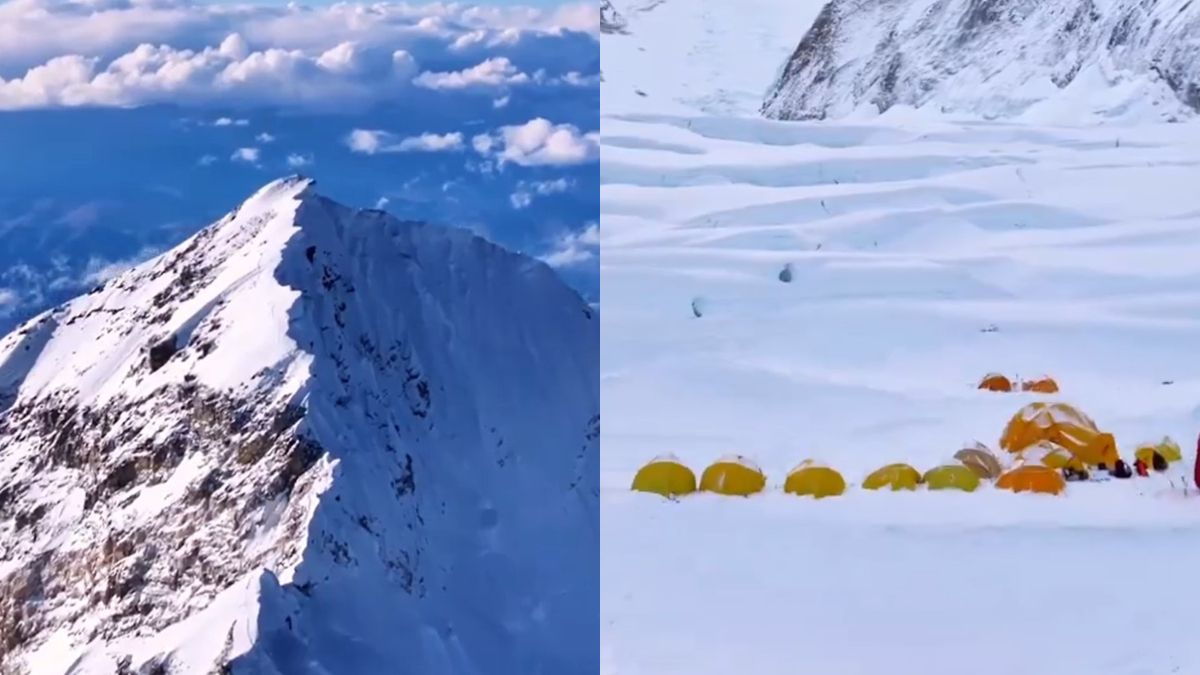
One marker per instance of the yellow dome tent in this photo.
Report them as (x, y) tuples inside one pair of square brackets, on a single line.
[(733, 475), (666, 476), (1032, 478), (809, 479), (981, 460), (1167, 448), (1062, 425), (895, 476), (1042, 385), (1051, 455), (995, 382), (951, 477)]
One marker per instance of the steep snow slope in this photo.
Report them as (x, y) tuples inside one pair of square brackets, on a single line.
[(1055, 62), (707, 55), (308, 440), (924, 254)]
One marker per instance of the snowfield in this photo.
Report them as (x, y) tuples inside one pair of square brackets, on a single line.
[(925, 253)]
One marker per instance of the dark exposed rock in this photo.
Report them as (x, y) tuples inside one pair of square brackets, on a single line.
[(611, 21), (161, 352), (939, 52)]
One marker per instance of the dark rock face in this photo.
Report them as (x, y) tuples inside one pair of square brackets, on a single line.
[(996, 58), (197, 543), (611, 21)]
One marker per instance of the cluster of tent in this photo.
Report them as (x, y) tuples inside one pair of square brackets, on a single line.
[(1045, 446), (998, 382)]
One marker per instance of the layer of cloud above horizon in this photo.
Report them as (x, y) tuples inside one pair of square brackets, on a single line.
[(137, 52), (522, 83)]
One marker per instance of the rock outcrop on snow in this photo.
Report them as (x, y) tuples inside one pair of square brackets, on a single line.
[(310, 439), (996, 59), (611, 20)]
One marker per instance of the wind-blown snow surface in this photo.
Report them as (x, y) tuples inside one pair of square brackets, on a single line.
[(924, 255), (308, 440)]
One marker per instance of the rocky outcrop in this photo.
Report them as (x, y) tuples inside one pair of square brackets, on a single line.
[(611, 21), (993, 58)]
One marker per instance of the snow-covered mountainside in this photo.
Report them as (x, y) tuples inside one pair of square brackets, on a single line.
[(1047, 61), (686, 55), (310, 439)]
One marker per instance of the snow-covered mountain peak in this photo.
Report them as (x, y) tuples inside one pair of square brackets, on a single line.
[(1062, 62), (309, 422)]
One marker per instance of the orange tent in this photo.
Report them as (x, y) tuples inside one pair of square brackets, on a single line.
[(1042, 385), (996, 382), (1032, 478), (1062, 425)]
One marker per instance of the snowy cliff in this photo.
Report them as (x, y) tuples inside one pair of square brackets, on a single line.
[(310, 439), (1080, 60)]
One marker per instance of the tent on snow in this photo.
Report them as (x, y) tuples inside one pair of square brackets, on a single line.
[(1167, 450), (981, 460), (995, 382), (1051, 455), (810, 479), (1041, 385), (895, 476), (666, 476), (951, 477), (733, 475), (1032, 478), (1064, 426)]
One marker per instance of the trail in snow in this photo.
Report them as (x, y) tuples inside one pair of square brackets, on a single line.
[(925, 254)]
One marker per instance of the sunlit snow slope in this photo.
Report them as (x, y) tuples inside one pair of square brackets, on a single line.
[(925, 254), (310, 440)]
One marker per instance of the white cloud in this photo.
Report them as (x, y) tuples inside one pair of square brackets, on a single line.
[(57, 53), (539, 142), (494, 72), (264, 137), (486, 38), (574, 248), (432, 143), (99, 270), (500, 102), (367, 141), (206, 160), (230, 122), (374, 141), (577, 79), (9, 300), (526, 191), (298, 161), (247, 155)]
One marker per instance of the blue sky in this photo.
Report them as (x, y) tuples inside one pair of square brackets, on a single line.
[(126, 125)]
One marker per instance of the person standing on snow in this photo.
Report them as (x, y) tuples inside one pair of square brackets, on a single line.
[(1196, 469)]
